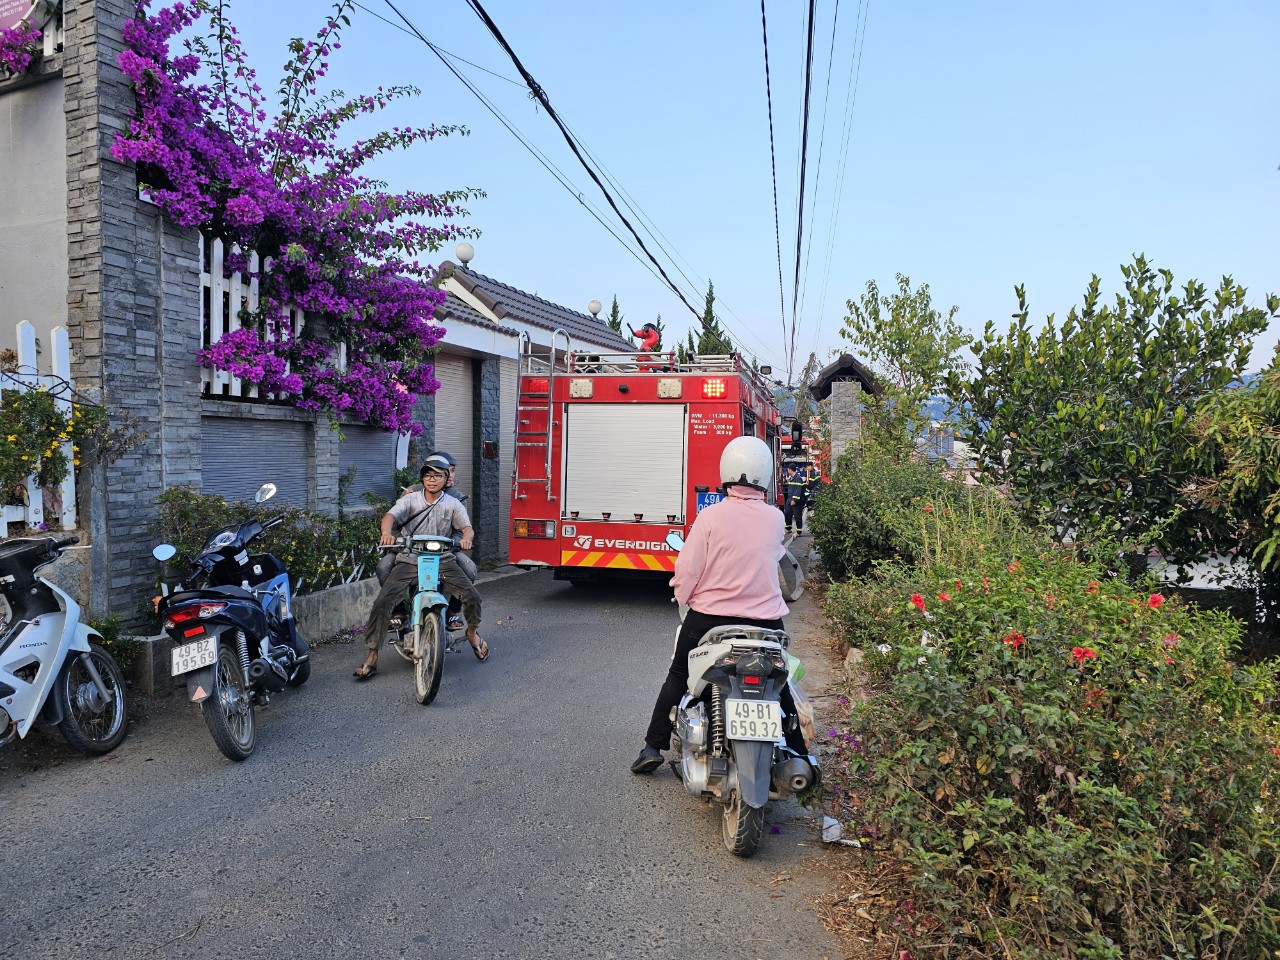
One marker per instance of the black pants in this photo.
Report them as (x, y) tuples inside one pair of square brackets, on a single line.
[(677, 683), (793, 512), (402, 579)]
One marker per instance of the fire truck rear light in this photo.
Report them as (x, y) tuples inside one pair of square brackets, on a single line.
[(535, 529), (537, 385), (581, 388), (670, 388), (713, 389)]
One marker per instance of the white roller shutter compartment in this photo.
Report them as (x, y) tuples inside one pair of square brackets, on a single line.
[(455, 418), (624, 459)]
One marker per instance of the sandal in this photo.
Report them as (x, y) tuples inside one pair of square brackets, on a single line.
[(365, 671), (481, 651)]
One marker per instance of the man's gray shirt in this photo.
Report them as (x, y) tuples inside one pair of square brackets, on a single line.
[(427, 520)]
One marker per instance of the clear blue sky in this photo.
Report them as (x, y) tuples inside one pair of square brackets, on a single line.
[(989, 145)]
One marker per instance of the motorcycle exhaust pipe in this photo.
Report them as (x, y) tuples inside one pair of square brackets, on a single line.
[(263, 673), (792, 775)]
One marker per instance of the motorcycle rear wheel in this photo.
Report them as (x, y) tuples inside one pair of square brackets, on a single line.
[(228, 710), (742, 827), (428, 658), (92, 728)]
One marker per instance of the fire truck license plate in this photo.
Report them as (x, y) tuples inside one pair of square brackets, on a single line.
[(193, 656), (753, 719)]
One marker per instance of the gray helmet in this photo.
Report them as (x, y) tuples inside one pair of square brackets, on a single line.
[(446, 455), (436, 463)]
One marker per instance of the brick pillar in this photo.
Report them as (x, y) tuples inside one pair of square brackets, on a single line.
[(133, 312), (846, 418), (487, 483)]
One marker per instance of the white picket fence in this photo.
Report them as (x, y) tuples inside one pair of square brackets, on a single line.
[(27, 376), (227, 303)]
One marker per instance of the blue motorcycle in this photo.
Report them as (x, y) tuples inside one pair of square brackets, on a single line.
[(422, 636)]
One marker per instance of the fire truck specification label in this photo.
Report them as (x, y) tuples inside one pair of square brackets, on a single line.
[(707, 499), (709, 424)]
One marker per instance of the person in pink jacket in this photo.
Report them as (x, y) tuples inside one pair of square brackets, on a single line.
[(726, 573)]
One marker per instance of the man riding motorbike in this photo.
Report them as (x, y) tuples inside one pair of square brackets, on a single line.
[(727, 573), (428, 512)]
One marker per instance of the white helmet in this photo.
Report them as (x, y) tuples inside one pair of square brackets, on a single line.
[(747, 460)]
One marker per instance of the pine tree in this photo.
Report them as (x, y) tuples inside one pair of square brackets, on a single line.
[(662, 331), (712, 339), (614, 320)]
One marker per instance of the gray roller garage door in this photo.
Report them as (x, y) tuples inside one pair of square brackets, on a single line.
[(372, 453), (455, 416), (241, 455)]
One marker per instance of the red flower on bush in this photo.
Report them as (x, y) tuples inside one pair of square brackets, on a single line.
[(1156, 601), (944, 596), (1015, 640), (917, 601), (1170, 640), (928, 508), (1092, 588), (1093, 696), (1081, 654), (1014, 567), (959, 585)]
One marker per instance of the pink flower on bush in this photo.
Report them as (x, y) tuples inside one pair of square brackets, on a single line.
[(1170, 640), (1081, 654), (944, 596), (917, 601), (1014, 567), (1155, 602)]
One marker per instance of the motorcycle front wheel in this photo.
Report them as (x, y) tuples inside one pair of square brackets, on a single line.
[(742, 827), (90, 724), (228, 710), (428, 657)]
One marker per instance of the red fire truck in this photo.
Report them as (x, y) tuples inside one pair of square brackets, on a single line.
[(614, 451)]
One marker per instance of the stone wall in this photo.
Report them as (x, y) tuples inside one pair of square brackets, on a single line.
[(846, 418)]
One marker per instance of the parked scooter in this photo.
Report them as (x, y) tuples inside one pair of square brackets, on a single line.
[(729, 728), (50, 662), (235, 638)]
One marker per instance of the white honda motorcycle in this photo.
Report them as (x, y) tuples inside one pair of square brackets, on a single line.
[(51, 664), (729, 727)]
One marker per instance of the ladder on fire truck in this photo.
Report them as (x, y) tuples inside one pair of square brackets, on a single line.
[(535, 425)]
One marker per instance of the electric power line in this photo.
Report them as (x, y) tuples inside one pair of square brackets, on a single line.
[(773, 166), (804, 148), (578, 150)]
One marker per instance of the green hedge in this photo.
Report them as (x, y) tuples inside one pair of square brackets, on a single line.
[(1071, 765), (319, 551)]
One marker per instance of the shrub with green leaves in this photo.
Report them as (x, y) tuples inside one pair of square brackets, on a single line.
[(1072, 766), (861, 517), (319, 551)]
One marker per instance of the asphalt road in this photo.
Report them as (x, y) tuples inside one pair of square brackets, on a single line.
[(500, 821)]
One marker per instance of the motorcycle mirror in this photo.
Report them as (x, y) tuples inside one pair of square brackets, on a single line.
[(265, 492), (675, 541), (166, 551)]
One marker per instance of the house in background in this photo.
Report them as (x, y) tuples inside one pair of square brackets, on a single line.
[(139, 296)]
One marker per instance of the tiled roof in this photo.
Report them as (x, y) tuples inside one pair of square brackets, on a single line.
[(844, 367), (457, 310), (507, 301)]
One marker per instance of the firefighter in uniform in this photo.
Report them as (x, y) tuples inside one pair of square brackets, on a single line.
[(798, 480)]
